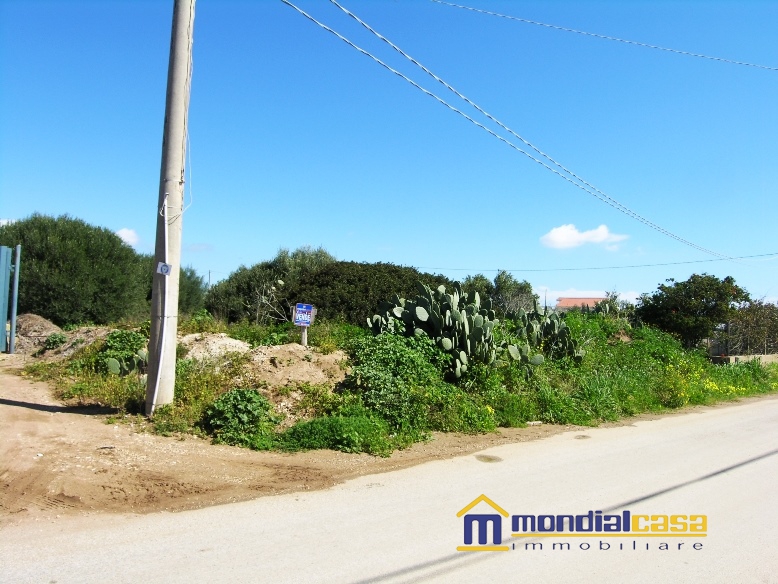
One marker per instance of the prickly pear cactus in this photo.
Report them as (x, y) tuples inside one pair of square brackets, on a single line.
[(544, 331), (461, 324)]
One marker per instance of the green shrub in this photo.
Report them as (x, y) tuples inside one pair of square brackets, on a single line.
[(449, 409), (200, 321), (54, 341), (258, 335), (122, 352), (123, 343), (352, 430), (558, 407), (514, 410), (242, 417), (169, 419), (391, 374), (351, 292), (199, 384), (75, 272), (125, 394), (327, 336), (85, 359), (320, 400), (78, 273), (253, 294), (692, 309), (594, 397)]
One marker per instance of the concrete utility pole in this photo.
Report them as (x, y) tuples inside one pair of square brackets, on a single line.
[(15, 298), (167, 259)]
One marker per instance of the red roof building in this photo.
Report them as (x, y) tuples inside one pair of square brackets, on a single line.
[(568, 303)]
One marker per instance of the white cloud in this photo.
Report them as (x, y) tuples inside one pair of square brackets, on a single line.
[(6, 222), (566, 236), (128, 236)]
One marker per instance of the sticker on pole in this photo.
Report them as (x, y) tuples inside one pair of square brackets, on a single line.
[(303, 314), (164, 269)]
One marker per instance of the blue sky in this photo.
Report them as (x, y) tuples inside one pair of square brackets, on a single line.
[(298, 139)]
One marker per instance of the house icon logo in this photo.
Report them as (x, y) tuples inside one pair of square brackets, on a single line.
[(482, 521)]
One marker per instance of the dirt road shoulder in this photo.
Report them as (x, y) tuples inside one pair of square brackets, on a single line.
[(57, 460)]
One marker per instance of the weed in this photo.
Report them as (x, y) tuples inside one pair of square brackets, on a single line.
[(74, 326), (201, 322), (354, 429), (54, 340), (169, 419), (260, 335), (197, 386), (395, 393), (328, 336), (242, 417), (320, 400)]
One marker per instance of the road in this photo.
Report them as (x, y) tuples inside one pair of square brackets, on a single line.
[(403, 526)]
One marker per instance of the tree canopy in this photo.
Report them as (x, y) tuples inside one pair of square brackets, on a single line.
[(347, 291), (254, 293), (507, 293), (692, 309), (74, 272)]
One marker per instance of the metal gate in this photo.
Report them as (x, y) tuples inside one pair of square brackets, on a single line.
[(8, 297)]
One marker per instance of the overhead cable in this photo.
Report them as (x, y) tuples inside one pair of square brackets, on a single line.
[(602, 196), (588, 189), (608, 38), (597, 268)]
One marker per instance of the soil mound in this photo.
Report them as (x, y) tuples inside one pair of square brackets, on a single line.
[(32, 331), (203, 346), (283, 369), (278, 370), (285, 365)]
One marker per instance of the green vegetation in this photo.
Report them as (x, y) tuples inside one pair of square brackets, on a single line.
[(400, 387), (261, 294), (341, 291), (242, 417), (350, 292), (691, 310), (54, 341), (506, 292), (436, 355), (352, 429), (191, 286), (466, 328), (73, 272), (752, 329), (124, 351)]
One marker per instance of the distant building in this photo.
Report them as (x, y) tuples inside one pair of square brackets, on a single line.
[(563, 304)]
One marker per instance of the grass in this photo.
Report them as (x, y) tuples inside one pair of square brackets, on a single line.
[(396, 392)]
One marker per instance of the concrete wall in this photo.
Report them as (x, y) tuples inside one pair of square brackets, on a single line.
[(765, 359)]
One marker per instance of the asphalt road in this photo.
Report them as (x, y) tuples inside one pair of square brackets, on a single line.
[(403, 526)]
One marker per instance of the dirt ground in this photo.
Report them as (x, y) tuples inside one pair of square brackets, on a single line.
[(57, 460)]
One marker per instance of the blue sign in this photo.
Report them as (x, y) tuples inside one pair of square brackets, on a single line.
[(303, 314)]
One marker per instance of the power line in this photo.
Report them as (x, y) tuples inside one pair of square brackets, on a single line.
[(599, 267), (598, 194), (609, 38)]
